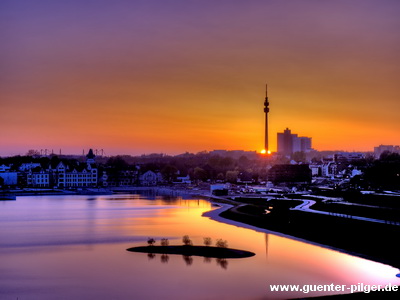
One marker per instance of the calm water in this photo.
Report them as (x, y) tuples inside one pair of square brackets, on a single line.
[(74, 247)]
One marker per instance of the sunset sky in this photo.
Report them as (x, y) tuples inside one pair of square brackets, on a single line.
[(170, 76)]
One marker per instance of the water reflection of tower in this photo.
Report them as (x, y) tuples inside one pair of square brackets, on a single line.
[(266, 110), (266, 244)]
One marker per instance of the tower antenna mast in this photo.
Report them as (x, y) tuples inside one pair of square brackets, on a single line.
[(266, 110)]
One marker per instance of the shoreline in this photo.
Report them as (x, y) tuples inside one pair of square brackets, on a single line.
[(215, 215), (219, 215), (227, 213)]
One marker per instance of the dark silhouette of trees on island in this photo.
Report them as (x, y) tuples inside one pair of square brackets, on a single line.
[(187, 241), (207, 241), (221, 243), (165, 248)]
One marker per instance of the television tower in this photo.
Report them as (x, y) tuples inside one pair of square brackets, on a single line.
[(266, 110)]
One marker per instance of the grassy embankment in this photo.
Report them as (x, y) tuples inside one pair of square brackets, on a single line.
[(376, 241)]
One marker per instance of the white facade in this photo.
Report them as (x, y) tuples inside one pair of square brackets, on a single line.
[(315, 169), (348, 156), (184, 179), (150, 178), (85, 177), (355, 172), (38, 179), (4, 168), (10, 178), (29, 166)]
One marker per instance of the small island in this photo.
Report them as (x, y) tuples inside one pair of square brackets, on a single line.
[(220, 251), (205, 251)]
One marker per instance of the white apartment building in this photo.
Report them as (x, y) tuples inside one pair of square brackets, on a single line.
[(80, 176), (38, 179)]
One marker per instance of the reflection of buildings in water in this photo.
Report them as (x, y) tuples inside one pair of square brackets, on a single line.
[(90, 221), (266, 244), (164, 258)]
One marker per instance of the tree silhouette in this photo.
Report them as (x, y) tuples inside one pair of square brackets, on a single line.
[(207, 241), (186, 240), (200, 174), (221, 243), (169, 173), (151, 241), (232, 176)]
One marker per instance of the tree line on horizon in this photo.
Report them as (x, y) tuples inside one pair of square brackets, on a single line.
[(203, 166)]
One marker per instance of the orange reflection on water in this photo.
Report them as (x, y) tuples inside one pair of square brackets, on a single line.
[(73, 239), (326, 265), (307, 263)]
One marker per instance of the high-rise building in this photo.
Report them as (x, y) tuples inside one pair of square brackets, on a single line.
[(285, 142), (382, 148), (288, 143)]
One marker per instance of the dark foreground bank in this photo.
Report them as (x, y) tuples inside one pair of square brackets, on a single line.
[(370, 240), (205, 251)]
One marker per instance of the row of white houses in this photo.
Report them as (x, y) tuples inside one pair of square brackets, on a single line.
[(64, 177), (81, 176)]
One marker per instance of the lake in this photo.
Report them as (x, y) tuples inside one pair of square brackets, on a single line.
[(74, 247)]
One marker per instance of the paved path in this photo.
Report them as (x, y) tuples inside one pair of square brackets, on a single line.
[(305, 206)]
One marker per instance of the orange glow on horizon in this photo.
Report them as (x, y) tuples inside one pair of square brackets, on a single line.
[(175, 89), (265, 152)]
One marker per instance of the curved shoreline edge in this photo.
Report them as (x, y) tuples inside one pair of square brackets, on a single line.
[(204, 251), (214, 214)]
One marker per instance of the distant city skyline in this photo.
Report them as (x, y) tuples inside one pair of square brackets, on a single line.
[(140, 77), (289, 143)]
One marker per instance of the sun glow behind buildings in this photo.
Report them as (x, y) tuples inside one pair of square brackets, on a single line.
[(265, 152)]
